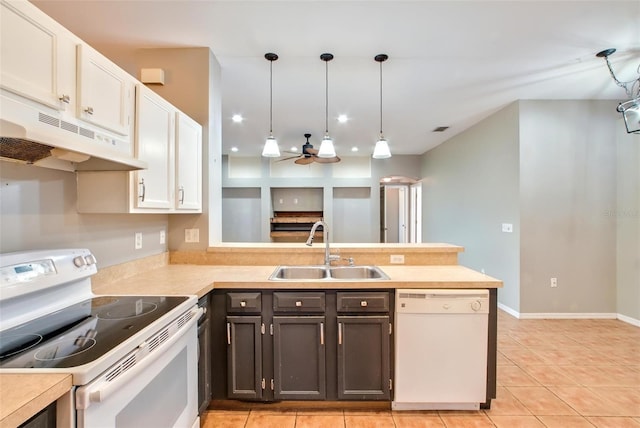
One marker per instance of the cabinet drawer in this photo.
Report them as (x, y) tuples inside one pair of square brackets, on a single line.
[(298, 302), (244, 302), (356, 301)]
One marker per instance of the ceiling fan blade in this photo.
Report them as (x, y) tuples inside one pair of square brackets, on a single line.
[(326, 160), (304, 161), (290, 157)]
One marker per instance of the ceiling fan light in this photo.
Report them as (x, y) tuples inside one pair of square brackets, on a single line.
[(326, 148), (631, 113), (381, 151), (271, 149)]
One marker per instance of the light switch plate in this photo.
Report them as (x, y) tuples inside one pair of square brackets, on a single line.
[(507, 227), (396, 259), (192, 235)]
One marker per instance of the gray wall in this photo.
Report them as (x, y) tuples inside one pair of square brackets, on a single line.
[(567, 178), (627, 218), (470, 187), (38, 211), (567, 183)]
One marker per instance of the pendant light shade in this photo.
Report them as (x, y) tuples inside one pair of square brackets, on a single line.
[(326, 146), (271, 149), (381, 150)]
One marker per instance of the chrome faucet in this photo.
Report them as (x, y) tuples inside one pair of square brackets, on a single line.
[(325, 233)]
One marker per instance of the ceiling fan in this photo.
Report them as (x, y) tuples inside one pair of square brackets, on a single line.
[(310, 155)]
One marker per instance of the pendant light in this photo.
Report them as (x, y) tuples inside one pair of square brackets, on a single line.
[(271, 149), (326, 146), (381, 150)]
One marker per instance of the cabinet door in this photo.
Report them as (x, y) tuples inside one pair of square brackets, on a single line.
[(364, 358), (299, 358), (154, 144), (188, 164), (33, 55), (104, 92), (244, 357)]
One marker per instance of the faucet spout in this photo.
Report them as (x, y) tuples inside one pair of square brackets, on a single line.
[(325, 233)]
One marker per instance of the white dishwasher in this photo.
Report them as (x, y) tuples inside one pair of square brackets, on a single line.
[(441, 349)]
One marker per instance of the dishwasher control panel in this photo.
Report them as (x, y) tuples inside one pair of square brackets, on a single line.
[(442, 301)]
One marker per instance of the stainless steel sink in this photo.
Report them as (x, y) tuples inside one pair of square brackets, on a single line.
[(299, 272), (357, 272), (324, 273)]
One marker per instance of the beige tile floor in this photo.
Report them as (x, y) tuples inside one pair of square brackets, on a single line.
[(551, 373)]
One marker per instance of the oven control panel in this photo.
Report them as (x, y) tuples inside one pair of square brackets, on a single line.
[(25, 272)]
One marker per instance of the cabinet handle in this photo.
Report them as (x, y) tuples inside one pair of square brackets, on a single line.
[(339, 333), (143, 190), (228, 333), (322, 333), (89, 110), (181, 193), (298, 304), (65, 99), (363, 303), (243, 304)]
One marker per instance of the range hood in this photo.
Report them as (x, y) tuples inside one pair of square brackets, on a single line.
[(43, 137)]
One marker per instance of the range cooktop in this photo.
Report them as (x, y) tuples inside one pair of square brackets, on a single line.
[(81, 333)]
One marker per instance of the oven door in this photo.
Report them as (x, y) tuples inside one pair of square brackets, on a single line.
[(161, 390)]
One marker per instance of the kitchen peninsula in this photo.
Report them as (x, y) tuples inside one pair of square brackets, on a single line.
[(243, 267)]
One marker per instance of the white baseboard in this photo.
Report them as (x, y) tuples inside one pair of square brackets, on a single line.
[(629, 320), (568, 315)]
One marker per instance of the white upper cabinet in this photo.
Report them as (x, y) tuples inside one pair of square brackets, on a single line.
[(104, 92), (155, 142), (37, 56), (188, 164)]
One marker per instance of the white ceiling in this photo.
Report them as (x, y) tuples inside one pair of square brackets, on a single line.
[(451, 63)]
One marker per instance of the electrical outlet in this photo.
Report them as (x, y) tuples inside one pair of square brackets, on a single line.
[(396, 259), (138, 240), (192, 235), (554, 282), (163, 237)]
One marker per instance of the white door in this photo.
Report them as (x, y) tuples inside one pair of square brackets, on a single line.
[(104, 92), (415, 208), (188, 164), (155, 119), (34, 53)]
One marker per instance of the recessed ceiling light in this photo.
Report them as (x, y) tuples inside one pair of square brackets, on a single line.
[(237, 118), (234, 149), (343, 118), (294, 149), (354, 149)]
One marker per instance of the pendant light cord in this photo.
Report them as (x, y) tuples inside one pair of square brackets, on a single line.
[(270, 98), (380, 99), (326, 98)]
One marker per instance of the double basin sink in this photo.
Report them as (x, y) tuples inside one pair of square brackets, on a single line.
[(328, 273)]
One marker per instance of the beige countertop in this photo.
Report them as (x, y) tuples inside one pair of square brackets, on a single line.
[(201, 279), (24, 395)]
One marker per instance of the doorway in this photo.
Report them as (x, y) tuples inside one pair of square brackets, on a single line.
[(400, 210)]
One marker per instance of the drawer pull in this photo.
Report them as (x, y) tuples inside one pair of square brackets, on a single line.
[(298, 304), (363, 303), (243, 304)]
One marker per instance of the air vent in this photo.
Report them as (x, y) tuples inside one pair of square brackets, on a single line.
[(49, 120), (69, 127), (440, 129), (87, 133)]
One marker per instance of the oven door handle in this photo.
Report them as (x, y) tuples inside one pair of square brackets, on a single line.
[(100, 389)]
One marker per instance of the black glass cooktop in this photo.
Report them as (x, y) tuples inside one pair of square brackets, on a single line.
[(81, 333)]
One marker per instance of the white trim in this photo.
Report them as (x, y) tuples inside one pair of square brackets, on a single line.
[(508, 310), (629, 320), (569, 315)]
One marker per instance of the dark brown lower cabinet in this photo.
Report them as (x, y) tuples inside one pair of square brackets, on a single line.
[(244, 357), (299, 358), (364, 358)]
